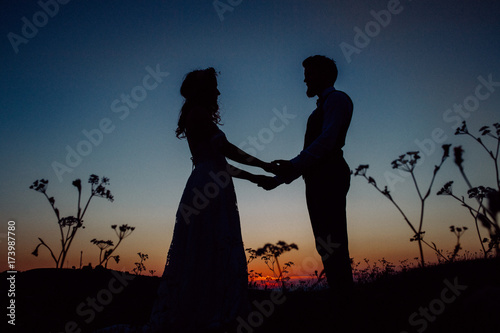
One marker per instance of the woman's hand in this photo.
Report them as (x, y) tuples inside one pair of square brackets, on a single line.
[(266, 182)]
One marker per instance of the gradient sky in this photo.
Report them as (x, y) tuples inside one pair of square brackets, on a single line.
[(64, 80)]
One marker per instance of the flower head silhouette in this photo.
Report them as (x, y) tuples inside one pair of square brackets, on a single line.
[(69, 225)]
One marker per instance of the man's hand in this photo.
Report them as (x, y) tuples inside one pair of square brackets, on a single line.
[(282, 167), (266, 182), (270, 167)]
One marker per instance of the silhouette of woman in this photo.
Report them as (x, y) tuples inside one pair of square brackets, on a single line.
[(204, 284)]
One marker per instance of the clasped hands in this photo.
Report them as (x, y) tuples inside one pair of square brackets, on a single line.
[(279, 168)]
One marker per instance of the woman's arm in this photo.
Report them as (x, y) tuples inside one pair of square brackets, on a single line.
[(266, 182), (236, 154), (241, 174)]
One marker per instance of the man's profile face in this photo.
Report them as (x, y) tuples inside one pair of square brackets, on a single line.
[(313, 82)]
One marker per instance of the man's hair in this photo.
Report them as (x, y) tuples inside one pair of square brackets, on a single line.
[(323, 65)]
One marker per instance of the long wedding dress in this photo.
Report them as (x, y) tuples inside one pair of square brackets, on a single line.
[(204, 284)]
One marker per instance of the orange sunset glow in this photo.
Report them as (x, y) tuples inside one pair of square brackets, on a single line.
[(149, 147)]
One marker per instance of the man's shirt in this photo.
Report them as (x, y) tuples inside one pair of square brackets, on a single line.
[(337, 109)]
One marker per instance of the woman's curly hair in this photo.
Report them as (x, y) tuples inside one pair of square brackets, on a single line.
[(198, 89)]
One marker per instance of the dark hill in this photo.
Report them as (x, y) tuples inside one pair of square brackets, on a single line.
[(458, 297)]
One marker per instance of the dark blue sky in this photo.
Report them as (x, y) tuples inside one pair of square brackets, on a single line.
[(70, 77)]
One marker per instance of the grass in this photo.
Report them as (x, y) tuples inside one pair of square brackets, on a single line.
[(60, 300)]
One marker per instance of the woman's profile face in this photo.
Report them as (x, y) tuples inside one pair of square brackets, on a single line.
[(213, 91)]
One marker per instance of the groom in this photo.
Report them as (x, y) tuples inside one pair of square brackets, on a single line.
[(326, 174)]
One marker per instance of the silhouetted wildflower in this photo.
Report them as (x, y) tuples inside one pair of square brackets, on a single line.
[(94, 179), (123, 231), (458, 231), (35, 252), (361, 170), (407, 162), (78, 184), (40, 185), (485, 130), (446, 150), (446, 189), (458, 153), (480, 192), (462, 129), (73, 223), (418, 236), (386, 192), (140, 265), (485, 215), (68, 221), (497, 127), (270, 253)]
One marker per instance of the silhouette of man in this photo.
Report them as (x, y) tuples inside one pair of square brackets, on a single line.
[(326, 174)]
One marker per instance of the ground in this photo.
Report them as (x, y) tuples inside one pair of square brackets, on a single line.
[(459, 297)]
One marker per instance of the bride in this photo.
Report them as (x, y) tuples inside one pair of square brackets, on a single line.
[(204, 284)]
